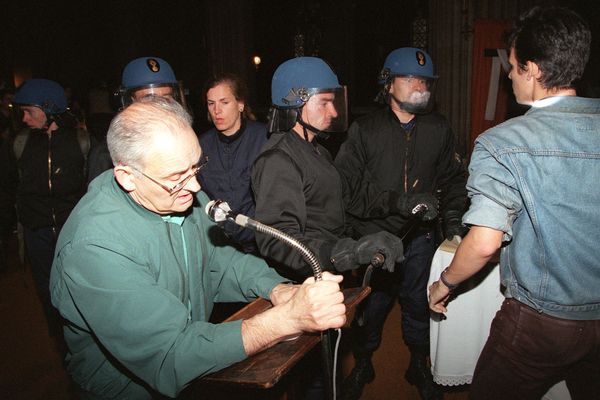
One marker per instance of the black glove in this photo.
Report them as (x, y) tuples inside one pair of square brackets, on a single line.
[(452, 225), (350, 254), (407, 203), (381, 242)]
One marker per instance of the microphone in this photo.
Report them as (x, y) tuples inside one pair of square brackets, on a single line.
[(219, 211)]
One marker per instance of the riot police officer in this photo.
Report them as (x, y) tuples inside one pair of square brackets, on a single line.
[(296, 185), (142, 78), (147, 77), (394, 158), (298, 189), (43, 172)]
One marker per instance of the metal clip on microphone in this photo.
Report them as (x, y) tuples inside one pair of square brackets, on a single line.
[(415, 217)]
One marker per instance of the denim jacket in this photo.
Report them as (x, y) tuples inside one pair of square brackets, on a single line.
[(537, 179)]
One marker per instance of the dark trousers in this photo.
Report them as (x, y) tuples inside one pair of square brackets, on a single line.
[(409, 284), (40, 244), (528, 352)]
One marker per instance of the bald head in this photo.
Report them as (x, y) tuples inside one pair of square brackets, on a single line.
[(134, 129)]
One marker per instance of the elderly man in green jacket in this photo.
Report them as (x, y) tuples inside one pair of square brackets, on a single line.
[(139, 265)]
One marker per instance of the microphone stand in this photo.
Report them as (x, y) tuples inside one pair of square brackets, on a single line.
[(219, 211)]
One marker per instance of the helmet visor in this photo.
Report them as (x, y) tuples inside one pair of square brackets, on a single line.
[(327, 109), (172, 90)]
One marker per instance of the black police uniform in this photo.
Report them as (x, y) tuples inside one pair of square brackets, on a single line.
[(298, 191)]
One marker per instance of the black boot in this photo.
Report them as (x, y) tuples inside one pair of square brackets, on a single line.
[(361, 374), (419, 374)]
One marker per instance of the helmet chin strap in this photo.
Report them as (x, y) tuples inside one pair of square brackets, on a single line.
[(319, 133), (49, 120)]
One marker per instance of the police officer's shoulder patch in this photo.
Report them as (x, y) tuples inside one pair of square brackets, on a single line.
[(153, 64), (420, 58)]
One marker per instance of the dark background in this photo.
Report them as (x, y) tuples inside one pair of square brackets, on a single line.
[(83, 44)]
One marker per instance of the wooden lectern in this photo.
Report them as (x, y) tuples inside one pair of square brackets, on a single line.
[(263, 370)]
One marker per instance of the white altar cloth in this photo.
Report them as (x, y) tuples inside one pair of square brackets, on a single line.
[(457, 339)]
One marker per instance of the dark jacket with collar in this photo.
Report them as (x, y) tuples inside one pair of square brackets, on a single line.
[(47, 180), (381, 160), (298, 191), (227, 174)]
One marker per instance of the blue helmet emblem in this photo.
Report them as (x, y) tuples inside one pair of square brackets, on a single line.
[(145, 71), (297, 79), (148, 75), (407, 61)]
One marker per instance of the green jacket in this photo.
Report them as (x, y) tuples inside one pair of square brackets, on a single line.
[(136, 319)]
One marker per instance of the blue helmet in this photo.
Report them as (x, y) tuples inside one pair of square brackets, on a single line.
[(146, 71), (297, 79), (149, 73), (407, 61), (43, 93), (294, 83)]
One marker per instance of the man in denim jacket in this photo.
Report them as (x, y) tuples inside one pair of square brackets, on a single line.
[(534, 192)]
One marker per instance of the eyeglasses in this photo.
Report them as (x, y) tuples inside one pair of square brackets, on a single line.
[(183, 182)]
